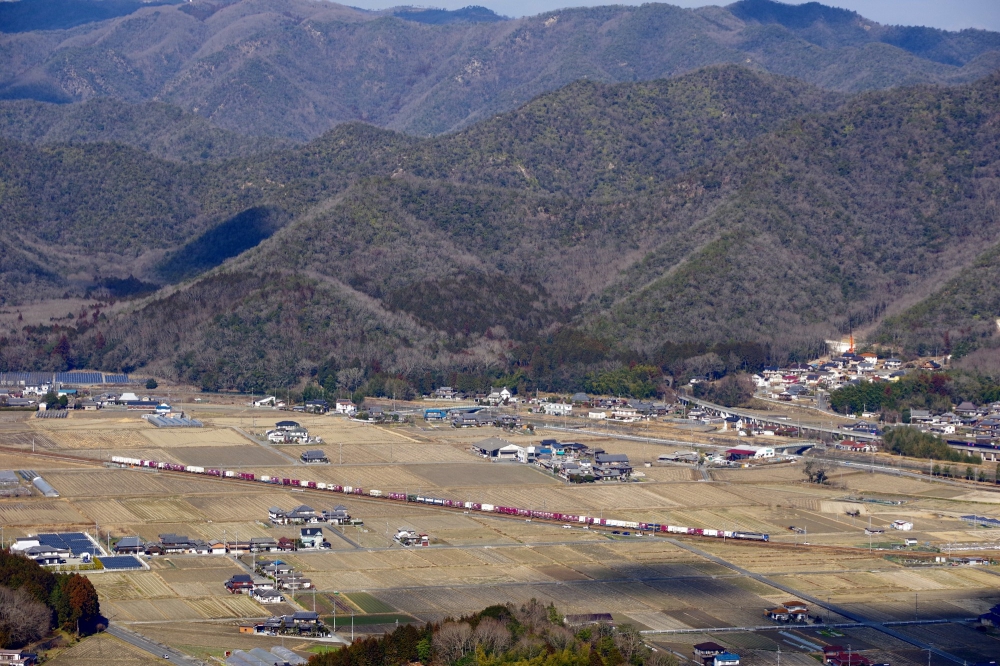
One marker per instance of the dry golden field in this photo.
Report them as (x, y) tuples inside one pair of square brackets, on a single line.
[(477, 560), (104, 650)]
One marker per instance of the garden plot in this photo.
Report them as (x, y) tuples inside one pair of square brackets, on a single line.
[(762, 558), (765, 474), (888, 483), (130, 586), (247, 506), (347, 580), (110, 439), (35, 513), (478, 474), (194, 437), (697, 495), (233, 457), (104, 650), (163, 510), (122, 482), (671, 473), (106, 512)]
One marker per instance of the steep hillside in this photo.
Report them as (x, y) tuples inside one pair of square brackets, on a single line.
[(296, 68), (159, 129), (831, 219), (960, 317), (727, 215)]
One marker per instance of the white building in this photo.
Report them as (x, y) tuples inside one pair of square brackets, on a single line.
[(557, 408), (904, 525)]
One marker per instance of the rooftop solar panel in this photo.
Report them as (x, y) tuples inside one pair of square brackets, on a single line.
[(120, 562)]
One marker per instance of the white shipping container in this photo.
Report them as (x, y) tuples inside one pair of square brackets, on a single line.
[(488, 507)]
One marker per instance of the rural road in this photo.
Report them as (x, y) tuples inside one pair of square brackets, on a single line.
[(150, 646), (854, 617)]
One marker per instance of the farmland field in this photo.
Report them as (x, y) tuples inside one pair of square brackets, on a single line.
[(476, 560), (104, 650)]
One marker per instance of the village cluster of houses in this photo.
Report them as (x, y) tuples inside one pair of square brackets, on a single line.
[(300, 623), (797, 381), (268, 581), (306, 515), (570, 460), (32, 396), (310, 538), (981, 422)]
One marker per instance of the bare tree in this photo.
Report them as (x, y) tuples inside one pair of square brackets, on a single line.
[(350, 378), (560, 637), (453, 641), (492, 635), (532, 614), (629, 642), (22, 618)]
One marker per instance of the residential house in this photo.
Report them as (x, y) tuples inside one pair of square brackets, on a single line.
[(130, 545), (297, 516), (625, 413), (263, 545), (345, 407), (495, 448), (317, 406), (444, 393), (312, 538), (266, 596), (337, 516), (239, 583), (18, 658), (43, 554), (557, 408), (707, 652), (293, 581), (314, 457), (966, 409)]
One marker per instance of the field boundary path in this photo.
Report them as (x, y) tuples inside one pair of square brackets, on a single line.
[(854, 617), (150, 646), (346, 538)]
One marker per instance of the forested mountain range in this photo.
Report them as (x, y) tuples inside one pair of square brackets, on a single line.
[(295, 68), (712, 220)]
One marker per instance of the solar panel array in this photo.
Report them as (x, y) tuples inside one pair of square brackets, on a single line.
[(74, 542), (76, 377), (80, 377), (120, 562), (15, 378), (981, 520), (174, 422)]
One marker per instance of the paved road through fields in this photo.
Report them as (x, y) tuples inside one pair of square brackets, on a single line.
[(150, 646)]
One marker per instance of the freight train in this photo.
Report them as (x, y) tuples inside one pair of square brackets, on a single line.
[(122, 461)]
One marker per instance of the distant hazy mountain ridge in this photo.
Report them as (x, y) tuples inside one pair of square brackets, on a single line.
[(295, 68)]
